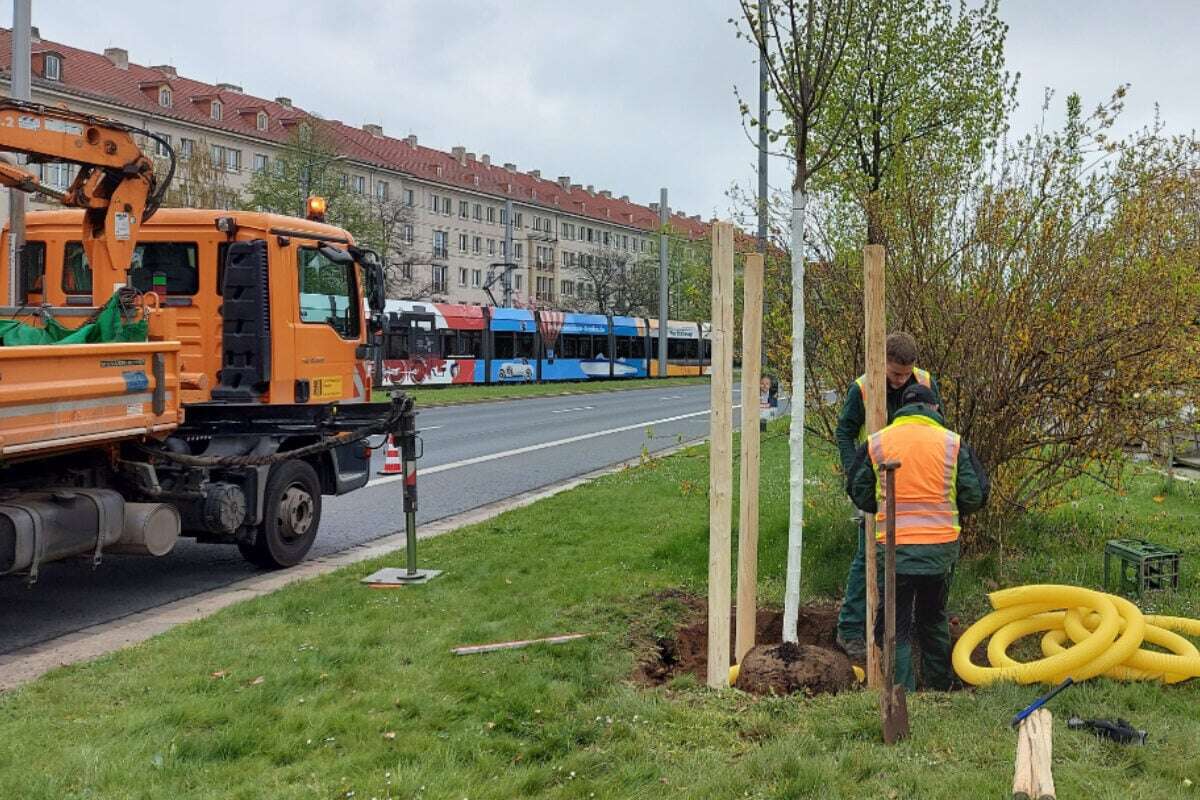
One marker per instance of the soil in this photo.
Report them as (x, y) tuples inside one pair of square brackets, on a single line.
[(788, 668), (815, 664)]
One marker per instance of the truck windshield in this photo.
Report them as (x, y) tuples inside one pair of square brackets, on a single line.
[(328, 293)]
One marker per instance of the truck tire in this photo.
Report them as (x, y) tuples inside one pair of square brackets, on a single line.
[(291, 516)]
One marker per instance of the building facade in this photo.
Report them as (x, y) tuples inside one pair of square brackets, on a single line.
[(453, 222)]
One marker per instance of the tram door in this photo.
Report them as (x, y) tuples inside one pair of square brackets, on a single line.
[(412, 348)]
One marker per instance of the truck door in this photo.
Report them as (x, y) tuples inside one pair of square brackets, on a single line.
[(329, 327)]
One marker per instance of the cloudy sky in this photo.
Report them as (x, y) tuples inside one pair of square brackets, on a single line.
[(628, 95)]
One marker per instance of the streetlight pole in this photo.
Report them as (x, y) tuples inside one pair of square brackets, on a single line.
[(662, 283)]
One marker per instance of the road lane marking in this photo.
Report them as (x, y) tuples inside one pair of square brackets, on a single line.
[(672, 397), (466, 462), (577, 408), (429, 428)]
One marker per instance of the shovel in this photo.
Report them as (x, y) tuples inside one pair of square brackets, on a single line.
[(893, 704)]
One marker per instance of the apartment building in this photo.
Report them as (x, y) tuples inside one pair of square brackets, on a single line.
[(457, 218)]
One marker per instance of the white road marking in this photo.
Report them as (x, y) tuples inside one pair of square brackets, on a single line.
[(672, 397), (466, 462), (577, 408), (429, 428)]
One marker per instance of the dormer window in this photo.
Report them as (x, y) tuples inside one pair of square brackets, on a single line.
[(52, 70), (164, 96), (261, 121), (214, 110)]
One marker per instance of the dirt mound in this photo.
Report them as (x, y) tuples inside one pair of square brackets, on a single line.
[(788, 668), (685, 651)]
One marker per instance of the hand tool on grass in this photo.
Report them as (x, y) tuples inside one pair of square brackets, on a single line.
[(1041, 701), (1120, 731), (893, 705)]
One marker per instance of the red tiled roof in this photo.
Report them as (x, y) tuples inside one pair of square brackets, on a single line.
[(92, 75)]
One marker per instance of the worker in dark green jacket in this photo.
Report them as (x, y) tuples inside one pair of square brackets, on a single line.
[(939, 481), (852, 432)]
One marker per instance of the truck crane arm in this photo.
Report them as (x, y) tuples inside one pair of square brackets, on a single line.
[(116, 185)]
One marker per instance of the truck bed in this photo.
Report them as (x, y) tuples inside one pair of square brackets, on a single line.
[(58, 397)]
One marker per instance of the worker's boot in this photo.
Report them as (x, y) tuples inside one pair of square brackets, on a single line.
[(855, 649)]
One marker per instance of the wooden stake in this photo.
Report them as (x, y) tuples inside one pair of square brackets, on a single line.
[(720, 470), (893, 705), (1033, 778), (747, 572), (875, 315)]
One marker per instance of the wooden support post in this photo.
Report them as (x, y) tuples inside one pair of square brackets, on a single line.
[(875, 315), (720, 471), (1033, 778), (747, 571), (893, 705)]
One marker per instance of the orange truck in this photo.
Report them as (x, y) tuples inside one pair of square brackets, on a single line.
[(172, 372)]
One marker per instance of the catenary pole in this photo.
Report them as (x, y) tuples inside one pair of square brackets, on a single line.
[(21, 87), (663, 307)]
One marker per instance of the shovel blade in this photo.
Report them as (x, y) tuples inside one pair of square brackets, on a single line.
[(895, 715)]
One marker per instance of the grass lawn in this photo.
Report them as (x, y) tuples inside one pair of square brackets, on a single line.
[(328, 689), (457, 395)]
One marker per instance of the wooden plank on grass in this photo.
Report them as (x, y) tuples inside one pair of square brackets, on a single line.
[(720, 473), (471, 649)]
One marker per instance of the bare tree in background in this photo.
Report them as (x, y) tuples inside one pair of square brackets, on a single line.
[(200, 181)]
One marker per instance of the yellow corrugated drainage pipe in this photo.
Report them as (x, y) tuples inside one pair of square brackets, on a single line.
[(1105, 633)]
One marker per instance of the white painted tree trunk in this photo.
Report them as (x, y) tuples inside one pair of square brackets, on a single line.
[(795, 550)]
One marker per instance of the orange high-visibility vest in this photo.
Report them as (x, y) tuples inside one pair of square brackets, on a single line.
[(922, 377), (926, 500)]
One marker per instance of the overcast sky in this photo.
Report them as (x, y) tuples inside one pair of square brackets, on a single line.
[(628, 95)]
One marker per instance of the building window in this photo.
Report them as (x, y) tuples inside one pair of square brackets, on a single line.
[(462, 276), (434, 205), (260, 162), (360, 184), (517, 282), (446, 203), (491, 247), (589, 234), (56, 175), (409, 199), (504, 250), (164, 96), (517, 219), (606, 238), (503, 216), (477, 245), (476, 278), (439, 279), (491, 215), (517, 250), (261, 121), (162, 145), (186, 148), (478, 212), (406, 270), (462, 243), (568, 288), (407, 234), (214, 110), (226, 157), (464, 209), (381, 190), (52, 70), (441, 244)]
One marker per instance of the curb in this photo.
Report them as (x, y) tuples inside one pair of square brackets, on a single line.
[(29, 663)]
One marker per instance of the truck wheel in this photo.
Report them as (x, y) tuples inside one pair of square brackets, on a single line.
[(291, 515)]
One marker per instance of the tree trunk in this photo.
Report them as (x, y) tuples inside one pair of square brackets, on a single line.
[(795, 550)]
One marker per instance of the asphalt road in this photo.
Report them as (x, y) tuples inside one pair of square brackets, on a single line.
[(474, 455)]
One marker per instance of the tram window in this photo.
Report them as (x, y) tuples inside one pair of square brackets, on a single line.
[(470, 344), (449, 343), (424, 343), (524, 345), (681, 349), (396, 345), (566, 347), (708, 350), (629, 347), (503, 345)]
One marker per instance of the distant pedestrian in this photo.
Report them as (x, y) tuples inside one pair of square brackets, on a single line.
[(852, 432), (939, 481)]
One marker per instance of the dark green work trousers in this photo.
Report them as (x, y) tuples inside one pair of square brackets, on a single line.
[(852, 618), (920, 614)]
